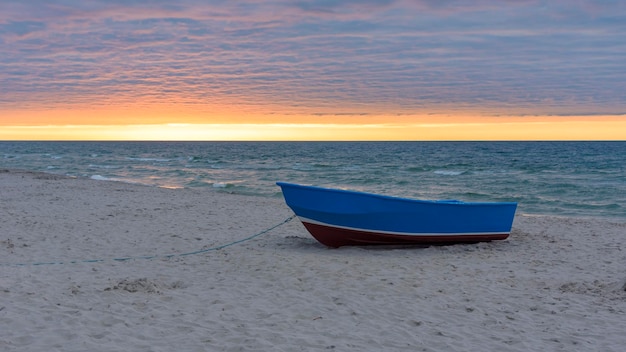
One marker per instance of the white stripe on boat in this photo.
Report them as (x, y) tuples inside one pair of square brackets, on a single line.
[(315, 222)]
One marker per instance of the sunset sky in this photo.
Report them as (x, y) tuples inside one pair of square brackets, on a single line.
[(313, 70)]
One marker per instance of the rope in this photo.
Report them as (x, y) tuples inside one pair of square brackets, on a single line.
[(168, 256)]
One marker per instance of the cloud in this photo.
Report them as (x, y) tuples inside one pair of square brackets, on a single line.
[(318, 57), (21, 28)]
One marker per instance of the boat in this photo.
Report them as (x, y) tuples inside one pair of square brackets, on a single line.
[(337, 217)]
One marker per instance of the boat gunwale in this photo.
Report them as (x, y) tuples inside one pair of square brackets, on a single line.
[(387, 197)]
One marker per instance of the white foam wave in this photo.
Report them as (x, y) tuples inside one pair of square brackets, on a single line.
[(99, 178)]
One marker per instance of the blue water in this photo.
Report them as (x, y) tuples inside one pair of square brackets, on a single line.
[(581, 179)]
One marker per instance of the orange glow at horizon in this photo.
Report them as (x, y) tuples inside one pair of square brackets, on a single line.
[(418, 128)]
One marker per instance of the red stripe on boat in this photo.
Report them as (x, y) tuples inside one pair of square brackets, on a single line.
[(337, 237)]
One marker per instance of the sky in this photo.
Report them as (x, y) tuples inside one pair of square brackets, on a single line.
[(313, 70)]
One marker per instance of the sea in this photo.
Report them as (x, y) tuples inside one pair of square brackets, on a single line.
[(574, 179)]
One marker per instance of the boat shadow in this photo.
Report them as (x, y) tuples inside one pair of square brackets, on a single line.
[(308, 243)]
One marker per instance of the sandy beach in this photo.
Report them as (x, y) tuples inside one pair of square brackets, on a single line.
[(66, 283)]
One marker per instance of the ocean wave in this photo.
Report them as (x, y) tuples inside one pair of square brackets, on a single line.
[(96, 166), (226, 184), (448, 172), (100, 178), (159, 160)]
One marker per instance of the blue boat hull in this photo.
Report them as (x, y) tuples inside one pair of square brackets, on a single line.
[(339, 217)]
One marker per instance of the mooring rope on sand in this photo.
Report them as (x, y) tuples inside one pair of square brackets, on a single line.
[(166, 256)]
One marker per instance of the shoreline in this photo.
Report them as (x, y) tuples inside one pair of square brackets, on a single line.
[(555, 284), (215, 189)]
